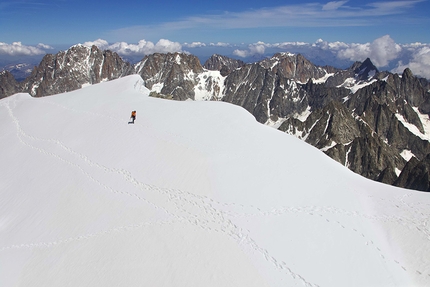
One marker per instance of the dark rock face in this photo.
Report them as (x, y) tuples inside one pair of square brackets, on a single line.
[(338, 132), (70, 70), (293, 67), (387, 176), (363, 129), (8, 85), (223, 64), (250, 87), (368, 155), (415, 174), (364, 71), (271, 89)]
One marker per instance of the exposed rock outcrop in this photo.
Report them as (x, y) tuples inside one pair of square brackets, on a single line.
[(223, 64), (8, 85)]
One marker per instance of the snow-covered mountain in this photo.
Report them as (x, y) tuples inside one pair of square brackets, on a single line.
[(195, 193), (375, 123)]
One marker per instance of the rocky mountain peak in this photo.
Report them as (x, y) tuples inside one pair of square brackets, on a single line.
[(407, 74), (365, 70), (223, 64), (293, 66), (177, 71), (70, 70), (152, 64)]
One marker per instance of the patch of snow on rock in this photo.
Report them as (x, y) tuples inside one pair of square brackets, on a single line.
[(407, 154)]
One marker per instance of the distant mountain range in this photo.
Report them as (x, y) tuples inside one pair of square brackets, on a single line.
[(20, 71), (375, 123)]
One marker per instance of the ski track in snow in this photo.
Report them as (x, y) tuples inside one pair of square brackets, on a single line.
[(209, 214)]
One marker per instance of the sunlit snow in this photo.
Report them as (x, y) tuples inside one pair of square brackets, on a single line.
[(210, 86), (304, 115), (354, 86), (323, 79), (425, 121), (407, 154), (193, 194)]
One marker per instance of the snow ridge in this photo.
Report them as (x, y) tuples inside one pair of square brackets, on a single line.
[(185, 197)]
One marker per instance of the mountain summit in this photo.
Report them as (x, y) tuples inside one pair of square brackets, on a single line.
[(365, 70)]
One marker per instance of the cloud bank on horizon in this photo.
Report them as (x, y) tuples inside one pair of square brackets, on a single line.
[(384, 52), (352, 30), (18, 49)]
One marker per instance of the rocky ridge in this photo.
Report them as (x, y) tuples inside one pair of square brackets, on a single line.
[(375, 123), (8, 84)]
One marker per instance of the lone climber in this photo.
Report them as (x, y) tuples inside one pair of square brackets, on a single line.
[(133, 117)]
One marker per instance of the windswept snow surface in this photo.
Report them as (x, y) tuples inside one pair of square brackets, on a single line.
[(192, 194)]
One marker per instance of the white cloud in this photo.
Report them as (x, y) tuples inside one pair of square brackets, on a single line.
[(194, 45), (355, 52), (241, 53), (102, 44), (293, 43), (44, 46), (393, 7), (166, 46), (384, 52), (253, 49), (330, 46), (18, 49), (143, 47), (123, 48), (333, 5), (381, 51), (258, 48), (419, 62), (220, 44)]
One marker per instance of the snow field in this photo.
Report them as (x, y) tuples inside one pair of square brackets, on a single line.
[(192, 194)]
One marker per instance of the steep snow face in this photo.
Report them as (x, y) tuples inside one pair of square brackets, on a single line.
[(425, 121), (323, 79), (193, 194)]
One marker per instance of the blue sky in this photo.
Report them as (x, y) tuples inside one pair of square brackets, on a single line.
[(41, 26), (56, 22)]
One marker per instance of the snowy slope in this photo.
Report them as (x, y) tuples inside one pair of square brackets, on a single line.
[(192, 194)]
